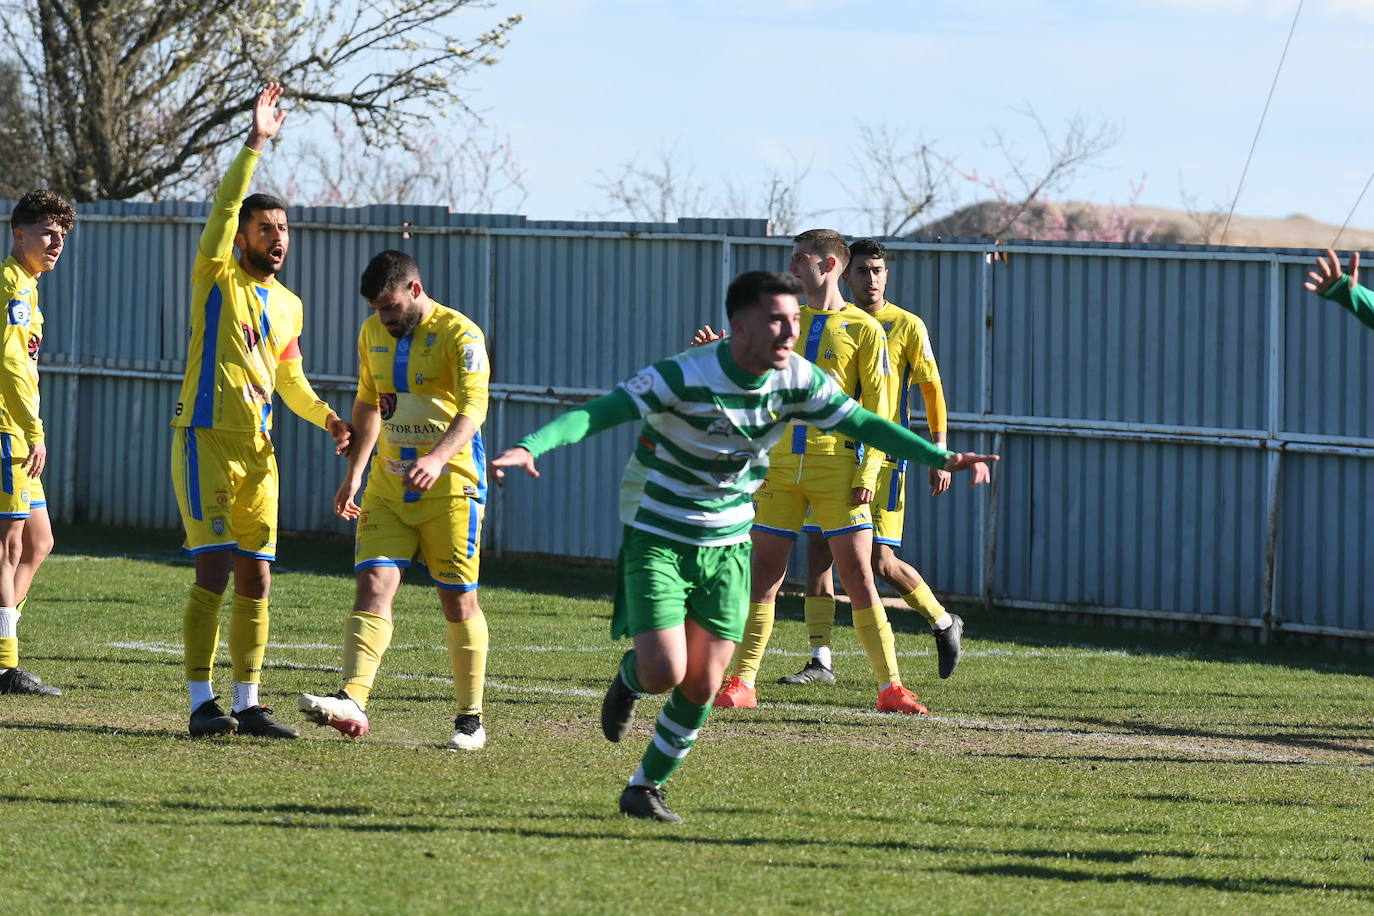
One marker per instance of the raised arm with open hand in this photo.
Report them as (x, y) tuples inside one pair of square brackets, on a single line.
[(266, 118), (1329, 272)]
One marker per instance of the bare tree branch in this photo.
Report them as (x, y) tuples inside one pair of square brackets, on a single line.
[(478, 174), (899, 185), (662, 191), (133, 97)]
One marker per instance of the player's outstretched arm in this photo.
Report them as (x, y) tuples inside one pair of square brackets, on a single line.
[(582, 421), (516, 457), (1330, 282), (873, 430)]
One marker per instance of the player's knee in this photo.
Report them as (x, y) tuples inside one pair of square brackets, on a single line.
[(37, 546), (459, 606), (213, 570), (661, 675), (699, 690)]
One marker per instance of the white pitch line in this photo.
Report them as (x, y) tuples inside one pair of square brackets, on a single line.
[(1116, 738)]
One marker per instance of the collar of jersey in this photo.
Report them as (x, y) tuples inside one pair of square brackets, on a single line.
[(734, 372)]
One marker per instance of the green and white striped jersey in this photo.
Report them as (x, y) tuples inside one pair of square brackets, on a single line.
[(708, 426)]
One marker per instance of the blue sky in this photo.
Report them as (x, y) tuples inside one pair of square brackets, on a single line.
[(739, 88)]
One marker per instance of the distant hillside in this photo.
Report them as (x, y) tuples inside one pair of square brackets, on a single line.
[(1167, 226)]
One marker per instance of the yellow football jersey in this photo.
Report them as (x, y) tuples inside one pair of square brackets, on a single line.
[(850, 347), (23, 333), (243, 331), (421, 382), (913, 357)]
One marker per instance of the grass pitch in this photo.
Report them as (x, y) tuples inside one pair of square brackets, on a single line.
[(1063, 769)]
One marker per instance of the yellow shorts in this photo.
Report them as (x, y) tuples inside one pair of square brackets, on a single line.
[(16, 486), (226, 488), (889, 505), (37, 498), (815, 489), (447, 531)]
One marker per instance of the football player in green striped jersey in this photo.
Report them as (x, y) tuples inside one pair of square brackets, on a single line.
[(710, 416)]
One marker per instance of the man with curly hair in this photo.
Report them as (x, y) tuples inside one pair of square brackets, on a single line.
[(39, 226)]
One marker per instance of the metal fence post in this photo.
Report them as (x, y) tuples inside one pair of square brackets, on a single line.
[(1271, 617)]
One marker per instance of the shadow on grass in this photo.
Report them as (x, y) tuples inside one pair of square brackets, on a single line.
[(280, 808), (1237, 885), (1212, 760), (1289, 739), (95, 730)]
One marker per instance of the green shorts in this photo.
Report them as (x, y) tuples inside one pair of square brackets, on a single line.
[(660, 582)]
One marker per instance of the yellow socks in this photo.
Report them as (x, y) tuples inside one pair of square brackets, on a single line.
[(923, 601), (248, 638), (366, 638), (200, 633), (875, 635), (749, 655), (247, 646), (467, 649), (820, 619)]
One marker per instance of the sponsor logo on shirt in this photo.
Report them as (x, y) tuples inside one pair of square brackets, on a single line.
[(430, 338), (379, 349), (387, 402), (34, 343), (250, 336)]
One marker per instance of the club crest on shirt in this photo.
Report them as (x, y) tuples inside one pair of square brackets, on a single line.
[(430, 338), (387, 402), (727, 469), (718, 427), (640, 384), (250, 336), (217, 525)]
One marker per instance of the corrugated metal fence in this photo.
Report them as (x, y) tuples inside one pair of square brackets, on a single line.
[(1186, 433)]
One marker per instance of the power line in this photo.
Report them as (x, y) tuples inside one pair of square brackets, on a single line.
[(1254, 142), (1351, 214)]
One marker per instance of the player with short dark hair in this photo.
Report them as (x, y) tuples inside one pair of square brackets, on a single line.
[(245, 345), (422, 397), (39, 225), (710, 415)]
